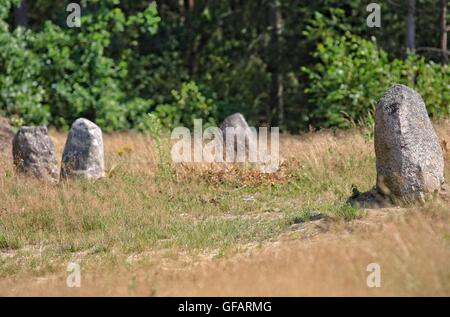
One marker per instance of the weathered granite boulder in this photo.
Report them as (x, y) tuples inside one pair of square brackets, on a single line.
[(34, 153), (409, 158), (239, 140), (83, 154)]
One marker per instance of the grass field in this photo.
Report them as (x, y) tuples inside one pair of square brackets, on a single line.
[(154, 229)]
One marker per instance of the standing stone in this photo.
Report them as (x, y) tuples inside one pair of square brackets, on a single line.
[(34, 153), (83, 154), (245, 140), (409, 158)]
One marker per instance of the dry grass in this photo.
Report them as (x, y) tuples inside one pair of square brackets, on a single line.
[(215, 231)]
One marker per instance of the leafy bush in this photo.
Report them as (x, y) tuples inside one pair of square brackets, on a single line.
[(150, 124), (58, 74), (433, 83), (21, 96), (188, 104), (352, 73), (123, 64)]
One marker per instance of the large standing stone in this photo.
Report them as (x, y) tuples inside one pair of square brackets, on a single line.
[(34, 153), (409, 158), (83, 153), (245, 142)]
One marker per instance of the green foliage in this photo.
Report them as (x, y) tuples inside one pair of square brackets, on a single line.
[(352, 73), (348, 79), (433, 83), (151, 124), (147, 21), (347, 212), (5, 7), (136, 110), (21, 96), (131, 58), (80, 79), (73, 70), (188, 104)]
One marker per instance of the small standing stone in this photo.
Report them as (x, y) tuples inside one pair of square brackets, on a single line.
[(83, 154), (244, 138), (409, 159), (34, 153)]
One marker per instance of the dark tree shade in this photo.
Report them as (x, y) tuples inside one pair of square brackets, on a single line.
[(21, 14)]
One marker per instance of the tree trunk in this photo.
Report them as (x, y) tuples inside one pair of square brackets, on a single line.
[(276, 89), (182, 13), (191, 54), (410, 25), (444, 30), (188, 7), (20, 14)]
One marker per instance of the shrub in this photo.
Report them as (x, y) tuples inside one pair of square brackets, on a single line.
[(188, 104), (433, 83), (56, 74), (21, 96), (352, 73)]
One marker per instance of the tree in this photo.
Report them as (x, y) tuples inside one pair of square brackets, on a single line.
[(444, 30), (276, 89), (411, 25), (245, 56)]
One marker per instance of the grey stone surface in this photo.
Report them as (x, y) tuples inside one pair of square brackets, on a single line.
[(34, 153), (244, 140), (409, 158), (83, 154)]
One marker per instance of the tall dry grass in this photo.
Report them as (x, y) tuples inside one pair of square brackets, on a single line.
[(411, 247), (215, 231)]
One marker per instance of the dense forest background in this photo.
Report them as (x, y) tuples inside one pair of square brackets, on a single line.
[(296, 64)]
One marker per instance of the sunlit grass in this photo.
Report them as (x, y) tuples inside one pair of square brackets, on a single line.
[(196, 210)]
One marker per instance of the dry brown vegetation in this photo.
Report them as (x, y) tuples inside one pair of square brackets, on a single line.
[(152, 230)]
